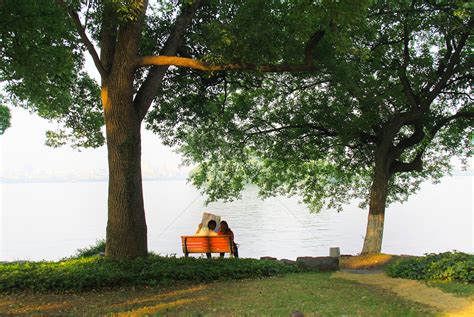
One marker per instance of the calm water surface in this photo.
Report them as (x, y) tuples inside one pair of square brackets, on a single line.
[(52, 220)]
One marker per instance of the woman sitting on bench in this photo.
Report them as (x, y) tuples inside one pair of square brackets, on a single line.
[(225, 230)]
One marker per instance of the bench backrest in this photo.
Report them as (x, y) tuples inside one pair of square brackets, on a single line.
[(207, 244)]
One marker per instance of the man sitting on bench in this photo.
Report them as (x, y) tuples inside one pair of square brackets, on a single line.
[(207, 231)]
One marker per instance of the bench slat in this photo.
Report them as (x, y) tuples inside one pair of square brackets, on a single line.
[(207, 244)]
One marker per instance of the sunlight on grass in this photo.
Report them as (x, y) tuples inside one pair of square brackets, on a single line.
[(467, 311), (5, 303), (157, 297), (415, 291), (143, 311), (312, 293), (40, 308), (365, 261)]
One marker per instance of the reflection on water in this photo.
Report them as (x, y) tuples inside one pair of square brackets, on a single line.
[(52, 220)]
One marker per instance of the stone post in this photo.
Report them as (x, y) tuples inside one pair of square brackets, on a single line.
[(334, 252)]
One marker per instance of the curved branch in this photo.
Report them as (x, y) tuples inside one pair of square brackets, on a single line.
[(168, 58), (445, 121), (415, 165), (433, 90), (407, 89), (321, 129), (198, 65), (313, 41), (82, 33), (154, 79), (405, 143)]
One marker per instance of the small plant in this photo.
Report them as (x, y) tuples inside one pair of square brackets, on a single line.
[(91, 250), (448, 266)]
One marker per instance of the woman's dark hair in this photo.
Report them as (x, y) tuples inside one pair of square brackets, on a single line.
[(224, 227)]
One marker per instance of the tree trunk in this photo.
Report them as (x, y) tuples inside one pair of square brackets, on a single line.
[(126, 225), (378, 200)]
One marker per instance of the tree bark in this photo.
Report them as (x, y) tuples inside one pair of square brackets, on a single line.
[(126, 225), (378, 199)]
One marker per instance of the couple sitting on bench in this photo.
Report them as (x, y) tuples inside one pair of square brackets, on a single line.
[(224, 230)]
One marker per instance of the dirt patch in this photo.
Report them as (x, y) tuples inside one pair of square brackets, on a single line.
[(416, 291)]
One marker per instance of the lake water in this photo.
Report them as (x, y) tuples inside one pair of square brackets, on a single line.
[(52, 220)]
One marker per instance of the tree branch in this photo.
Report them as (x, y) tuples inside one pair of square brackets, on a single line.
[(417, 164), (406, 48), (413, 99), (82, 33), (198, 65), (108, 38), (399, 167), (432, 91), (321, 129), (445, 121), (154, 80), (405, 143), (456, 93), (447, 55), (313, 41), (401, 119)]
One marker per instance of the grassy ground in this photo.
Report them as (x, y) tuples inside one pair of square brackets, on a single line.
[(416, 291), (315, 294), (457, 288)]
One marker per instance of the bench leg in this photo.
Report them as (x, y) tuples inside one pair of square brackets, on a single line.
[(208, 255), (236, 251), (186, 254)]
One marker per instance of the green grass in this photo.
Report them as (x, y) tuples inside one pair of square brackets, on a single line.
[(314, 294), (457, 288)]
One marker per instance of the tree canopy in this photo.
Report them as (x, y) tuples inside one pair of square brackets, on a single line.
[(133, 45), (389, 107)]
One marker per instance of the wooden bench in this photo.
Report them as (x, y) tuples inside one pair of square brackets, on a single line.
[(207, 244)]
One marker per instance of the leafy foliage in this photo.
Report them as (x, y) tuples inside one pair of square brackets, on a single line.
[(41, 64), (4, 118), (449, 266), (317, 134), (88, 273)]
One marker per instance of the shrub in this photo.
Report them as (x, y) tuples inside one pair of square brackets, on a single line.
[(86, 273), (91, 250), (448, 266)]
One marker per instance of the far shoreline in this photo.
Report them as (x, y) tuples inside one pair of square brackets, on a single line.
[(456, 173)]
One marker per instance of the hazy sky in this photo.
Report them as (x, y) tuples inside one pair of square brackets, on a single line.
[(23, 151)]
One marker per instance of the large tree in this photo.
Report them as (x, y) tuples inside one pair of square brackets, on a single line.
[(389, 108), (132, 46)]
